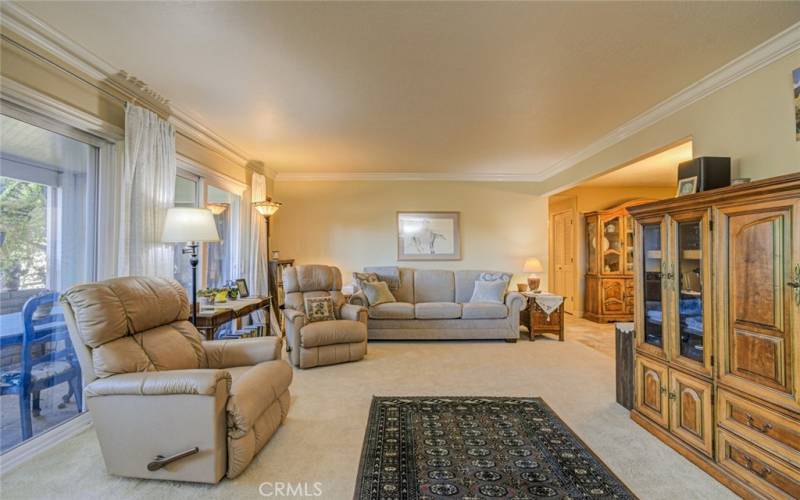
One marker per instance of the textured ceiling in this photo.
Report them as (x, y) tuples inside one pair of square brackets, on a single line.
[(437, 87)]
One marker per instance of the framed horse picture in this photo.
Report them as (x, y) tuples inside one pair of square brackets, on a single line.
[(428, 236)]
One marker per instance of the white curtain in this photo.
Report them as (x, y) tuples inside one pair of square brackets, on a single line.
[(256, 252), (147, 191)]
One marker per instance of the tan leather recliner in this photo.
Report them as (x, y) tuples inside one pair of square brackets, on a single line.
[(322, 342), (154, 388)]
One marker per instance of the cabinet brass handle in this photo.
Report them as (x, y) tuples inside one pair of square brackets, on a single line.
[(161, 461), (663, 389), (672, 395), (795, 284), (764, 472), (763, 429)]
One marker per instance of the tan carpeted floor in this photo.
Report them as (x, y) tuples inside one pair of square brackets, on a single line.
[(321, 440)]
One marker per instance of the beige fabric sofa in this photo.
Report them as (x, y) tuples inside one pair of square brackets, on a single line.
[(435, 304), (322, 342), (153, 387)]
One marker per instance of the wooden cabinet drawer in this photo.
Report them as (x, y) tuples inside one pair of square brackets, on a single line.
[(764, 472), (766, 428)]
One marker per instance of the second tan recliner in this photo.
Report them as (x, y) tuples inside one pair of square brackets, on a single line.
[(323, 342), (164, 403)]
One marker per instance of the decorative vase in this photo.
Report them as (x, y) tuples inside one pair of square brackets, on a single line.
[(522, 287), (533, 283)]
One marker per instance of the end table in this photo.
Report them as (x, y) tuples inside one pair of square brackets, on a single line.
[(538, 321)]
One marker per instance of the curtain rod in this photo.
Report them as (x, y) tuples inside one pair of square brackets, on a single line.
[(63, 69)]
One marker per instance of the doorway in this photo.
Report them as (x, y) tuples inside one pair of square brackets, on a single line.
[(563, 262)]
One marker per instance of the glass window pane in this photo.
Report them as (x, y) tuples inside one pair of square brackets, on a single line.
[(47, 241), (690, 310), (652, 258), (185, 196), (222, 264)]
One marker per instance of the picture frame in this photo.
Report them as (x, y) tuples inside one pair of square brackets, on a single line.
[(428, 235), (687, 186), (241, 284)]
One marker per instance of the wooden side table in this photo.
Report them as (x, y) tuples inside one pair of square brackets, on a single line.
[(539, 322), (209, 320)]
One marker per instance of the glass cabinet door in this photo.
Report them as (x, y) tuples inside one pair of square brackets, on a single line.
[(652, 266), (628, 244), (591, 245), (690, 332), (612, 245)]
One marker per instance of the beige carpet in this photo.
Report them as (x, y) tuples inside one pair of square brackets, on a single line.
[(321, 440)]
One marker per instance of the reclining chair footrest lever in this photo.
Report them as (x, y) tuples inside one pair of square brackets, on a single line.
[(161, 461)]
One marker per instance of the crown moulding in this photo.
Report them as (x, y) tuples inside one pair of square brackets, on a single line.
[(41, 37)]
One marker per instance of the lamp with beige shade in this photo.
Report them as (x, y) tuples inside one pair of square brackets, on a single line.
[(533, 266), (191, 226)]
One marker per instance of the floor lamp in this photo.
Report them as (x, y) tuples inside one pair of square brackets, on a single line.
[(267, 208), (191, 226)]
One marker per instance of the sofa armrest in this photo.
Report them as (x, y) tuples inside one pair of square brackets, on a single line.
[(515, 299), (354, 313), (242, 352), (200, 382), (295, 321)]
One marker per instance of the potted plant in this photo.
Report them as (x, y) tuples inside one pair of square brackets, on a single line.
[(206, 296), (221, 295), (233, 290)]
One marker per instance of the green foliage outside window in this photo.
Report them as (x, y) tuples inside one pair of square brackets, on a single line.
[(23, 234)]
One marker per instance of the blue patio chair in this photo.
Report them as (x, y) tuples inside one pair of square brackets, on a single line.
[(47, 359)]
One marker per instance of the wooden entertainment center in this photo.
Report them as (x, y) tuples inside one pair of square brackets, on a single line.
[(717, 321)]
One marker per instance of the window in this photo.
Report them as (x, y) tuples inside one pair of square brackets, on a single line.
[(219, 262), (223, 257), (48, 196), (186, 195)]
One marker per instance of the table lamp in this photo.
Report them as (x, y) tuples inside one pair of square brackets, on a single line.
[(191, 226), (533, 266)]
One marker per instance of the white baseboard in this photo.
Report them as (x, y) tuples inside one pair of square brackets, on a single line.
[(41, 443)]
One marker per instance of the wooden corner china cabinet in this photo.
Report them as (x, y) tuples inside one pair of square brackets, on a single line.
[(609, 266), (717, 315)]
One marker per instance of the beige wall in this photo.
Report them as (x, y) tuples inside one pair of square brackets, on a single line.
[(352, 224), (588, 199), (751, 120)]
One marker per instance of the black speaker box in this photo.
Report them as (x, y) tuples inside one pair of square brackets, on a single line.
[(712, 172)]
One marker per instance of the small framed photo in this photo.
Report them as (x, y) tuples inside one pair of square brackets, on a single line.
[(687, 186), (241, 284)]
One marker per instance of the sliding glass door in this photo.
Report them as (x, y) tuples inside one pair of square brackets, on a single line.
[(48, 196)]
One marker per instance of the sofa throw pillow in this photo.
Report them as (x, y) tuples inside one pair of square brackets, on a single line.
[(489, 291), (494, 277), (319, 309), (378, 293), (361, 278)]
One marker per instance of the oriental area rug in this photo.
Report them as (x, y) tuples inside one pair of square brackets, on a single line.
[(419, 448)]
